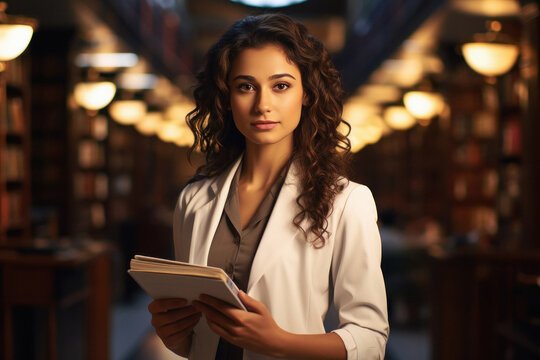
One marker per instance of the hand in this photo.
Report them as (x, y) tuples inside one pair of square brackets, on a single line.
[(174, 322), (255, 330)]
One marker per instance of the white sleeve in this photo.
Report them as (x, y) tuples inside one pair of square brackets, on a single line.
[(359, 292)]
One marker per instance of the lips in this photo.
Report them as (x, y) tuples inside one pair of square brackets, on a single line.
[(264, 124)]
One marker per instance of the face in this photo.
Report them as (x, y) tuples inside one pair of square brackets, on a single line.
[(266, 96)]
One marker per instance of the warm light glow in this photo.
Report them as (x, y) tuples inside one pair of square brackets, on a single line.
[(423, 105), (398, 118), (94, 95), (401, 72), (106, 60), (178, 112), (490, 59), (269, 3), (369, 130), (356, 111), (128, 112), (175, 132), (136, 81), (150, 124), (380, 93), (13, 40), (186, 139), (489, 8), (373, 129), (357, 140)]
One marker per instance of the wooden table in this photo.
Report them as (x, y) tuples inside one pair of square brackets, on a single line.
[(53, 281)]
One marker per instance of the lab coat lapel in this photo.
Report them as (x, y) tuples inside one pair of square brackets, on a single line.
[(280, 233), (206, 218)]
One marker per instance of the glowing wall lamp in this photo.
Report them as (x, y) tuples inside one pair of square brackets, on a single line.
[(94, 95), (423, 105), (128, 112), (398, 118), (490, 54), (150, 123), (15, 34)]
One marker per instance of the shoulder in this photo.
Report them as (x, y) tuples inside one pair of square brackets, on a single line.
[(195, 192), (354, 199)]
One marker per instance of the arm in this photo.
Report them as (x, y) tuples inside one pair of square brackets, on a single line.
[(257, 331), (359, 293)]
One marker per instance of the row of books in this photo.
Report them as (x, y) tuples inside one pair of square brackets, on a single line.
[(481, 124), (92, 126), (11, 209), (91, 186), (91, 154), (91, 216), (14, 72), (483, 219), (12, 161), (13, 121), (473, 154), (476, 186)]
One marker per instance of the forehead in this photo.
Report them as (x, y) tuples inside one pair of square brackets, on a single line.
[(263, 61)]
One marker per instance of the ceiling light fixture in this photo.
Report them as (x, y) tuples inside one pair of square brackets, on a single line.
[(94, 95), (269, 3), (128, 112), (15, 34), (491, 54), (110, 61), (398, 118), (423, 105)]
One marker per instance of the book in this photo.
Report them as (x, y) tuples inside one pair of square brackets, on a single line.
[(163, 279)]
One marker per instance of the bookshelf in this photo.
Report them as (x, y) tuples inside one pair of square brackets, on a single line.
[(90, 176), (473, 161), (14, 154), (510, 167), (51, 168)]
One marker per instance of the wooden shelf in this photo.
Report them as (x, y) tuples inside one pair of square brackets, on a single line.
[(15, 150)]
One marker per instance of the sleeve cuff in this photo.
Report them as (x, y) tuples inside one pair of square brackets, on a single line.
[(348, 341)]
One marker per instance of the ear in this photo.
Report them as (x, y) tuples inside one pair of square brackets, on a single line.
[(305, 99)]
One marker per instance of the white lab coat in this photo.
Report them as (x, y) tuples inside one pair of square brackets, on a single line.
[(291, 277)]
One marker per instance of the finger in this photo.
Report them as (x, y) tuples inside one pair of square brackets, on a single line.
[(213, 301), (164, 305), (172, 316), (224, 310), (227, 334), (168, 330), (173, 341), (214, 314), (251, 303), (222, 306)]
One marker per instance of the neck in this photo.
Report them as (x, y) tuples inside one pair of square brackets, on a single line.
[(262, 164)]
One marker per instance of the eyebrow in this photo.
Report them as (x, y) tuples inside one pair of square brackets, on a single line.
[(273, 77)]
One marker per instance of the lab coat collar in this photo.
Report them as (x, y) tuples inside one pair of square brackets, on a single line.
[(279, 236)]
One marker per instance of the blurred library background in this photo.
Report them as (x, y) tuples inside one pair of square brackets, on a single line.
[(442, 97)]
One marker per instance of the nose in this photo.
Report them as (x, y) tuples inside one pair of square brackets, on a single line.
[(263, 103)]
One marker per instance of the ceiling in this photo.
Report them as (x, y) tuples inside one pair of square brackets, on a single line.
[(360, 34)]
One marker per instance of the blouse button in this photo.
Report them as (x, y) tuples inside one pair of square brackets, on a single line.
[(236, 239)]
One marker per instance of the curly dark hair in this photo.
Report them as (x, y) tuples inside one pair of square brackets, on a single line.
[(321, 151)]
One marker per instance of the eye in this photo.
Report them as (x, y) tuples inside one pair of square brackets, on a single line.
[(282, 86), (246, 87)]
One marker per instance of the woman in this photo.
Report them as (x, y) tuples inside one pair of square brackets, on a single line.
[(272, 207)]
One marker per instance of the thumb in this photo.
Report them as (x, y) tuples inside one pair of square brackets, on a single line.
[(252, 304)]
